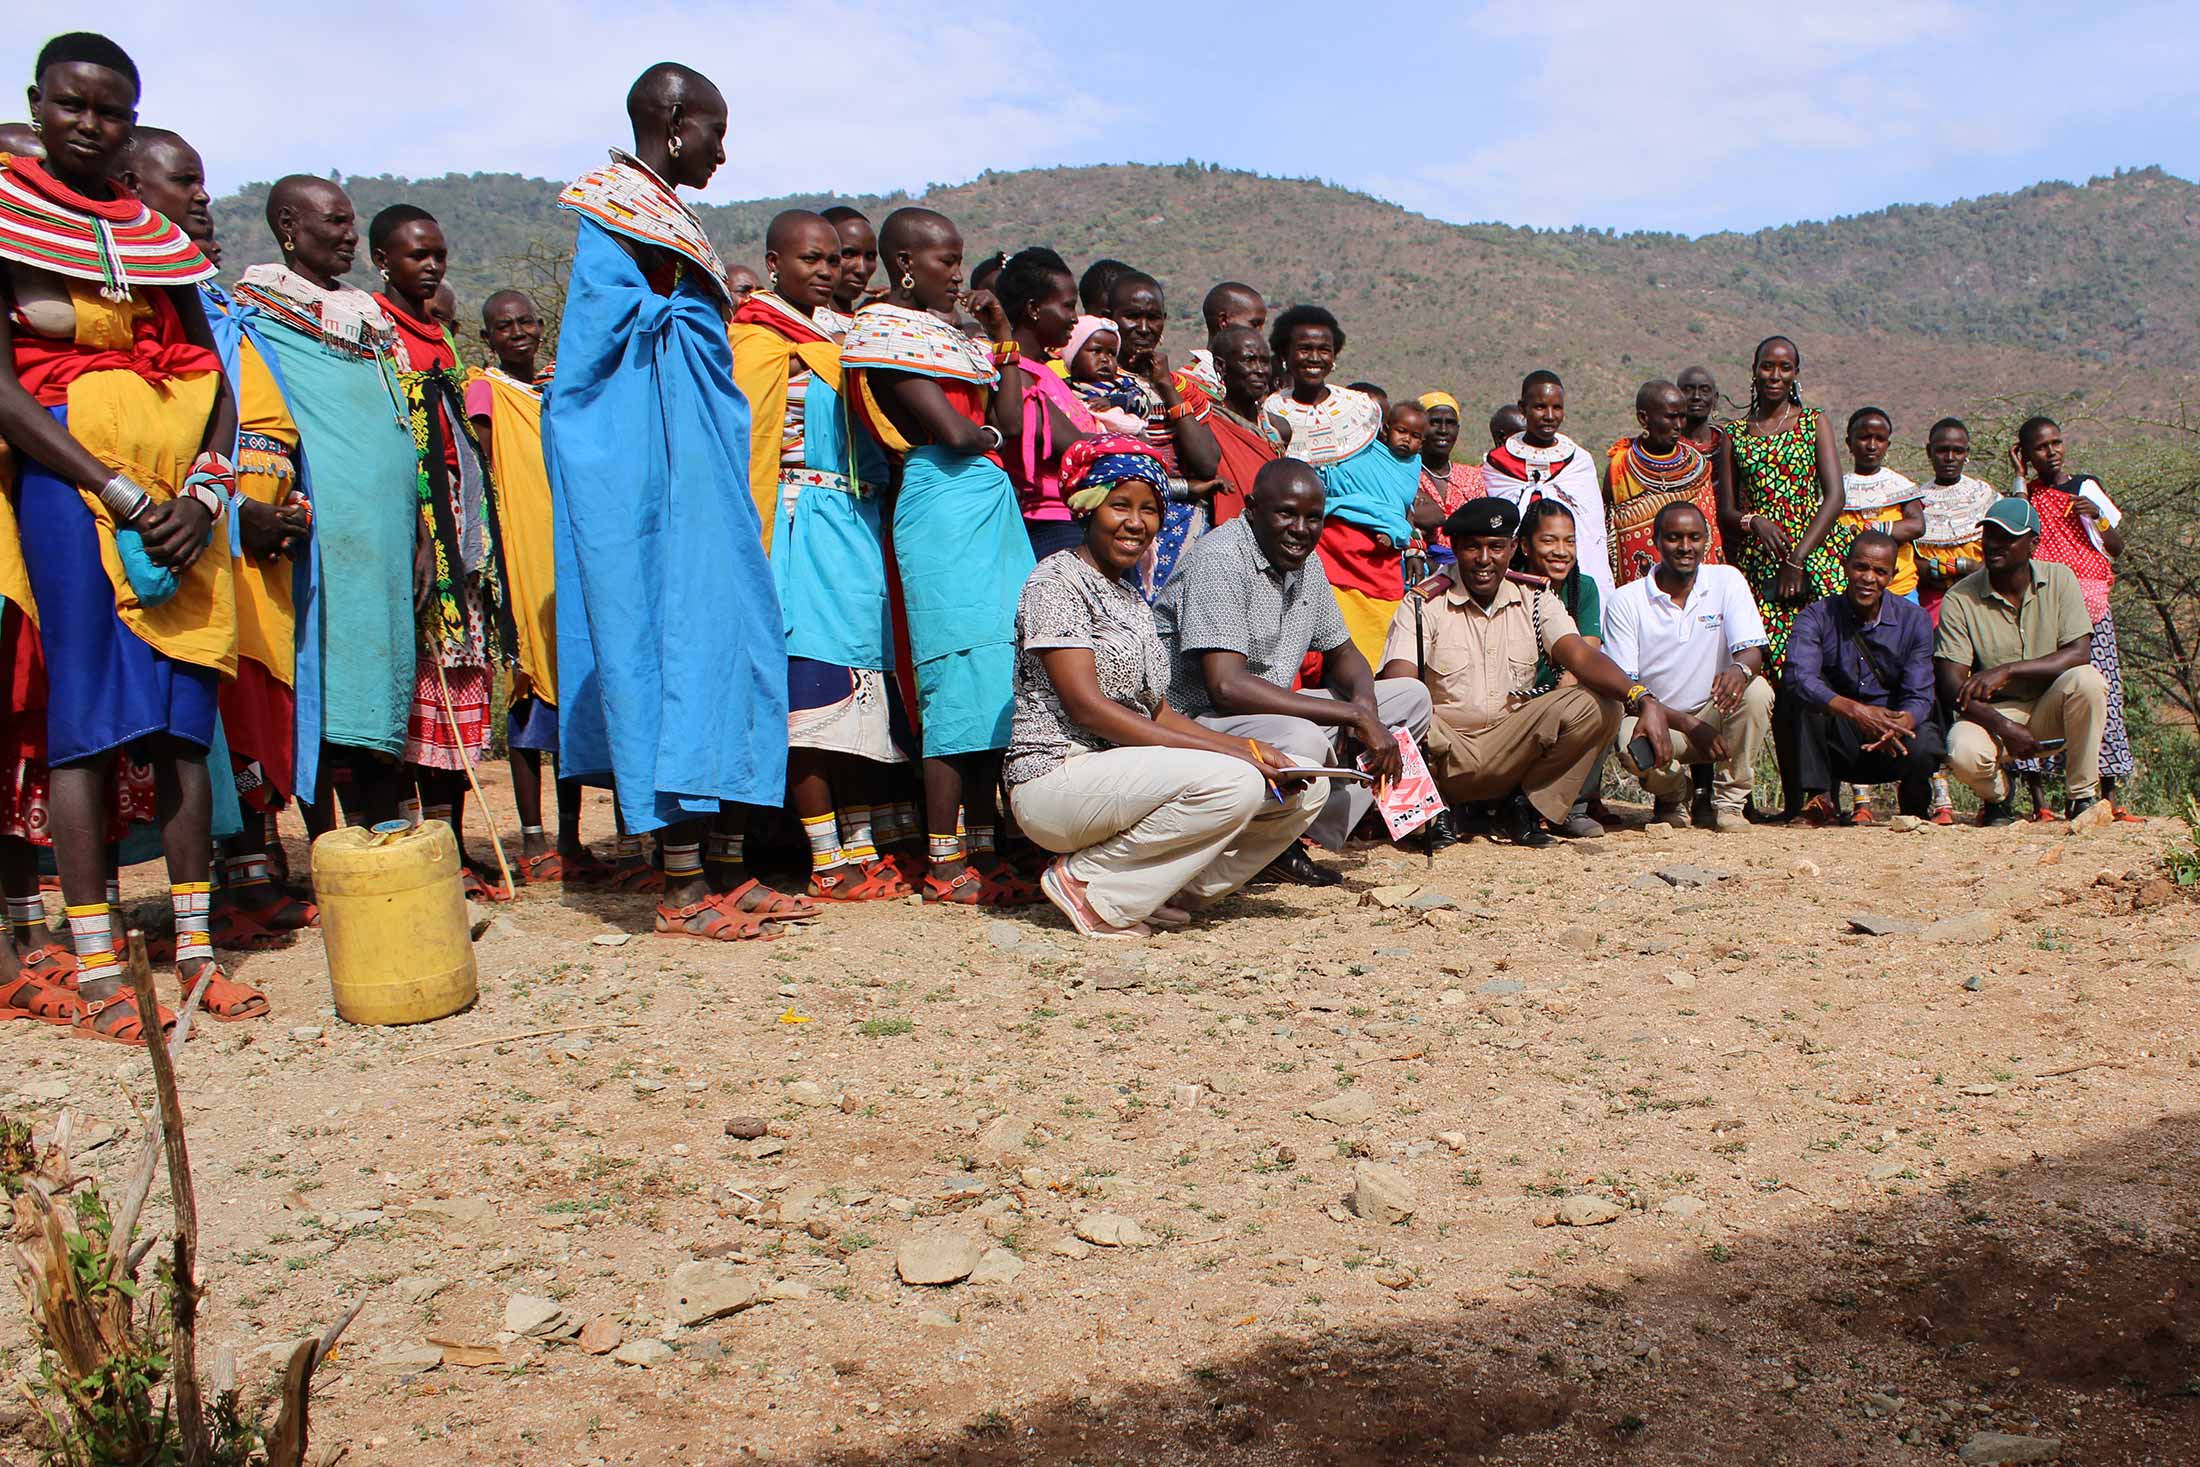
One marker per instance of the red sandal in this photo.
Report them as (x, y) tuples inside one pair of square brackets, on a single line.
[(479, 889), (129, 1029), (869, 881), (774, 906), (719, 923), (226, 1000), (282, 912), (1005, 888), (967, 889), (238, 930), (26, 998), (52, 964), (636, 878)]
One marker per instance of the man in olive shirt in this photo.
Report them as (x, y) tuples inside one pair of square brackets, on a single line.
[(1474, 642), (2011, 658)]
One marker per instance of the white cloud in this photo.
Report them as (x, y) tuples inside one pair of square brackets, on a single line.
[(825, 96)]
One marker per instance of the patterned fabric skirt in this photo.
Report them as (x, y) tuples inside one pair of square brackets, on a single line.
[(2116, 761), (1822, 577), (429, 741), (845, 710), (1181, 524)]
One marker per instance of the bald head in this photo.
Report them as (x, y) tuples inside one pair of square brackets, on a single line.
[(909, 229), (665, 86), (19, 139), (165, 173), (312, 219), (1653, 393), (791, 227), (1233, 303)]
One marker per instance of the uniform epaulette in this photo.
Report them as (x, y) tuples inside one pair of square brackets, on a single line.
[(1430, 588)]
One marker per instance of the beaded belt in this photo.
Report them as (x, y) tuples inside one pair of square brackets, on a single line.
[(793, 481)]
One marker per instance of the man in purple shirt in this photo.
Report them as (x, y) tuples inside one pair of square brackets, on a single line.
[(1861, 664)]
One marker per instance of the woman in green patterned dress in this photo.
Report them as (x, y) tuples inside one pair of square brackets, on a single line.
[(1779, 486)]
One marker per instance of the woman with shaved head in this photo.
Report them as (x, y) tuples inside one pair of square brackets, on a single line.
[(671, 653), (925, 391), (114, 406)]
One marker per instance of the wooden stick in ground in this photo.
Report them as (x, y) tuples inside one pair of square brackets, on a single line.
[(489, 816), (525, 1034), (121, 1261), (286, 1444), (184, 1297)]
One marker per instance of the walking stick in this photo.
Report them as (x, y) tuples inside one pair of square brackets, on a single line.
[(1420, 670), (450, 717)]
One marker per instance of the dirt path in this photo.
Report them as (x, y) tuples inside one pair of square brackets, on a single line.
[(1863, 1208)]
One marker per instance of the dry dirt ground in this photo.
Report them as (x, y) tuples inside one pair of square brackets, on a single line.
[(1863, 1200)]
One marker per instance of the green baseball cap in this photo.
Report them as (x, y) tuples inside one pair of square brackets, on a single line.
[(2015, 515)]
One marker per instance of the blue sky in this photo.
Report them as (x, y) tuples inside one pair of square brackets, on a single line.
[(1686, 117)]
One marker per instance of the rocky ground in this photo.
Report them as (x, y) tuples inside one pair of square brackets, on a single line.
[(1631, 1151)]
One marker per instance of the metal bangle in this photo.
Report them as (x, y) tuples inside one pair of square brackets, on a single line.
[(123, 498), (998, 439)]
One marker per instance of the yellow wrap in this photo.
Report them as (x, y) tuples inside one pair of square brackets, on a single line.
[(15, 581), (530, 561), (762, 364), (152, 432), (267, 621)]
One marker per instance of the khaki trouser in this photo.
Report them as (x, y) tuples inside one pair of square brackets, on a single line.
[(1143, 825), (1546, 747), (1401, 702), (1744, 730), (2074, 707)]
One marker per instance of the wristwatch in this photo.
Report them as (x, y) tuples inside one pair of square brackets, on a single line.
[(1632, 702)]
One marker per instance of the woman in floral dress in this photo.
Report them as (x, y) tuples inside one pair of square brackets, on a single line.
[(1780, 502)]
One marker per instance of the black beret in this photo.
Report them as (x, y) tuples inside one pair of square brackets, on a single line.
[(1483, 517)]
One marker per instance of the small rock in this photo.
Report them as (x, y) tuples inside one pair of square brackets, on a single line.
[(646, 1353), (1452, 996), (810, 1093), (1872, 926), (1885, 1172), (1577, 939), (1585, 1211), (2187, 957), (1287, 1155), (746, 1128), (997, 1266), (935, 1319), (1380, 1194), (937, 1258), (532, 1314), (1223, 1084), (1501, 987), (1110, 1230), (496, 929), (1982, 1089), (1971, 927), (306, 1033), (601, 1335), (1972, 984), (700, 1291), (1389, 897), (1683, 1206), (1691, 876), (1431, 901), (418, 1288), (1904, 824), (2098, 814), (786, 1291), (1804, 870), (1679, 979), (457, 1215), (768, 1146), (406, 1360), (2004, 1448), (1456, 1140), (611, 939), (1072, 1248), (1001, 1143), (1187, 1097), (1352, 1108)]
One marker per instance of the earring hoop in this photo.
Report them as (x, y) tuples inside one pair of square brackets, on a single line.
[(908, 281), (672, 145), (290, 246), (773, 280), (38, 129)]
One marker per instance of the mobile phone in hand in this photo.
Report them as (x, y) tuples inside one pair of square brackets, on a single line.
[(1643, 752), (2050, 746)]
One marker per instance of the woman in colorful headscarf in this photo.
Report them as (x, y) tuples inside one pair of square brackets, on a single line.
[(1154, 816), (1371, 490), (465, 620), (113, 403)]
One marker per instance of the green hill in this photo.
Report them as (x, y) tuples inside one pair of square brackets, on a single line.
[(2056, 289)]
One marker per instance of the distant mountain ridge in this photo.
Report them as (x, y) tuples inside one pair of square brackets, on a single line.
[(2053, 289)]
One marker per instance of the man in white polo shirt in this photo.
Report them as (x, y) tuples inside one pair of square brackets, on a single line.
[(1691, 634)]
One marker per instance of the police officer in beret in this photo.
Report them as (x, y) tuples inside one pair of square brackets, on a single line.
[(1473, 636)]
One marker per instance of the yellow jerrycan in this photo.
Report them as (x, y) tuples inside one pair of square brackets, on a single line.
[(393, 918)]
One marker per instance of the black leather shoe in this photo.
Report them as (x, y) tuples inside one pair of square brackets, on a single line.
[(1295, 866), (1996, 812), (1441, 834), (1518, 822), (2079, 807)]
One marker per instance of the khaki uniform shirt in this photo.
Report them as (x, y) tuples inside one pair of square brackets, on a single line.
[(1479, 662), (1981, 628)]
